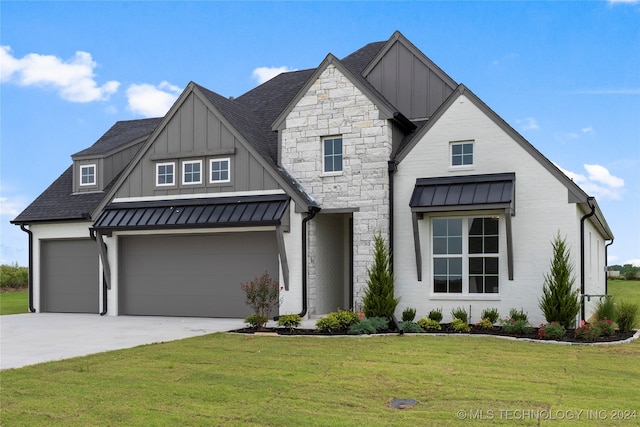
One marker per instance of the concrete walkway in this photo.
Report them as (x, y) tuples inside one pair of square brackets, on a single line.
[(27, 339)]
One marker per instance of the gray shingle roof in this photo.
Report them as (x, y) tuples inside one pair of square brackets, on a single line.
[(121, 132)]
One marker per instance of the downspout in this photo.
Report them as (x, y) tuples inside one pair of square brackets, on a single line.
[(92, 233), (582, 284), (606, 273), (393, 167), (313, 210), (30, 279)]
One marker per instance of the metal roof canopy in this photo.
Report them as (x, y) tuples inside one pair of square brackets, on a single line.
[(242, 211)]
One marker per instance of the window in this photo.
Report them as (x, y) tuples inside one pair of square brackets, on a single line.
[(165, 174), (220, 170), (462, 154), (465, 255), (88, 175), (192, 172), (332, 155)]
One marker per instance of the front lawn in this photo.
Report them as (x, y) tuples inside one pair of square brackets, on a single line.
[(240, 380), (625, 290), (14, 302)]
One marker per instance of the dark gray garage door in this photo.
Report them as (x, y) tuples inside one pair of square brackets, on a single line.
[(192, 275), (69, 276)]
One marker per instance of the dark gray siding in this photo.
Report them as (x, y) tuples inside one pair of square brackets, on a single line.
[(69, 276), (192, 275), (194, 132), (409, 82)]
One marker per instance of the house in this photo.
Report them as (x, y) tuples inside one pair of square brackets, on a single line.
[(169, 216)]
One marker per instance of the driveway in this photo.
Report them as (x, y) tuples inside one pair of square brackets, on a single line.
[(27, 339)]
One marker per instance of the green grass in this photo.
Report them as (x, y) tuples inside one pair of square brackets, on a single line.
[(625, 290), (14, 303)]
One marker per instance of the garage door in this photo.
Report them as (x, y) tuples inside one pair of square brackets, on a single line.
[(192, 275), (69, 276)]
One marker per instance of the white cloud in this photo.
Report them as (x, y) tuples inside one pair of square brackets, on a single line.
[(624, 1), (529, 123), (588, 129), (598, 182), (152, 101), (11, 207), (263, 74), (634, 262), (73, 79)]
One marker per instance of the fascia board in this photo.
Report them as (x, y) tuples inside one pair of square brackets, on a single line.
[(112, 151)]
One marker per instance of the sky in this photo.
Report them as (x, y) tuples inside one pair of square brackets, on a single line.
[(566, 75)]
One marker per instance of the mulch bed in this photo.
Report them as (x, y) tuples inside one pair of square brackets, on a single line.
[(446, 329)]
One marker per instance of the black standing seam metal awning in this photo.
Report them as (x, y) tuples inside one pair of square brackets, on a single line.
[(242, 211), (464, 193)]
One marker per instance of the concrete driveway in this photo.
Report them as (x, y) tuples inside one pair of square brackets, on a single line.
[(27, 339)]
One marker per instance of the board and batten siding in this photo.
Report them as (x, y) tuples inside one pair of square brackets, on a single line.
[(195, 132), (541, 206)]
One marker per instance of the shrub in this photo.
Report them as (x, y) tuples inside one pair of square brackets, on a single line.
[(605, 326), (551, 331), (560, 302), (337, 320), (379, 299), (518, 315), (485, 323), (410, 328), (289, 321), (491, 314), (408, 314), (380, 323), (460, 313), (606, 309), (256, 320), (262, 295), (13, 277), (627, 316), (364, 327), (429, 324), (460, 325), (328, 324), (516, 327), (588, 331), (435, 314)]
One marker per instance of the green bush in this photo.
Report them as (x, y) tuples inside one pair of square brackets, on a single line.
[(290, 321), (364, 327), (429, 324), (460, 325), (435, 314), (627, 316), (560, 302), (380, 323), (518, 315), (551, 331), (337, 320), (491, 314), (262, 295), (588, 332), (605, 309), (13, 277), (605, 326), (408, 314), (485, 323), (460, 313), (256, 320), (516, 327), (379, 298), (410, 328), (328, 324)]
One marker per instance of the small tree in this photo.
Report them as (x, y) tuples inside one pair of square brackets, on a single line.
[(379, 299), (560, 302), (262, 295)]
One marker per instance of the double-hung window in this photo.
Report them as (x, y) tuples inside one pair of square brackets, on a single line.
[(465, 255), (332, 155), (220, 170), (88, 175), (165, 174), (192, 172)]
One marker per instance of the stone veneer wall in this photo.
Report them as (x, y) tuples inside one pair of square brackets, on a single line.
[(334, 106)]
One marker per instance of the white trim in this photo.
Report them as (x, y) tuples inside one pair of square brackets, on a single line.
[(198, 196), (174, 174), (324, 170), (192, 162), (95, 173), (220, 159), (473, 155)]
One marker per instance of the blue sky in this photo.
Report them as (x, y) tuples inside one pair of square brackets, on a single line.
[(566, 75)]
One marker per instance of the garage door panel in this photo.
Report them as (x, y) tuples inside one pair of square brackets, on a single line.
[(69, 276), (192, 275)]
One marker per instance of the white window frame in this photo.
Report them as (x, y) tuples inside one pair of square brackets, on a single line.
[(324, 158), (219, 181), (184, 172), (473, 154), (85, 167), (465, 256), (173, 174)]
